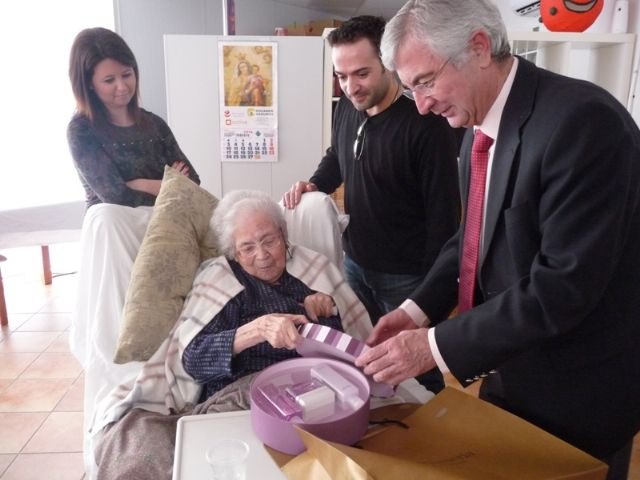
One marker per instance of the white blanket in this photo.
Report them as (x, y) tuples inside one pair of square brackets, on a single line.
[(164, 386)]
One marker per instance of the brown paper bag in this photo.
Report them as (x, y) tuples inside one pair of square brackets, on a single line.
[(454, 436)]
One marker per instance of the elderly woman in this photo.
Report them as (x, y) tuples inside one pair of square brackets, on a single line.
[(239, 318), (257, 327)]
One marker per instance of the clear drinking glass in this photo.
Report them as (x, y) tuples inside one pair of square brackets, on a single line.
[(228, 459)]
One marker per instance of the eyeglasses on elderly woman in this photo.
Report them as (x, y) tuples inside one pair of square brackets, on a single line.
[(269, 242)]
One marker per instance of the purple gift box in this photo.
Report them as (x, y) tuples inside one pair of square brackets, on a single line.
[(322, 341), (274, 409), (273, 414)]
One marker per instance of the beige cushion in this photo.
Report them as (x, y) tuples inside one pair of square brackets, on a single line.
[(175, 243)]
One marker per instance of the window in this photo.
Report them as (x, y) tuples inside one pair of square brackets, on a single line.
[(37, 103)]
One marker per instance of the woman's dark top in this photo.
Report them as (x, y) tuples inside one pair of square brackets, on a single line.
[(109, 156)]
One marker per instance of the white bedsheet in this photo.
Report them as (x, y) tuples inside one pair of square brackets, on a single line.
[(111, 236), (317, 224)]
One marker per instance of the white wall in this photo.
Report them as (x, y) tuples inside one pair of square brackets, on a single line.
[(142, 23), (37, 103), (255, 17), (194, 112)]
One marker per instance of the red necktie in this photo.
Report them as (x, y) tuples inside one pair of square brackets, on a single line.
[(473, 222)]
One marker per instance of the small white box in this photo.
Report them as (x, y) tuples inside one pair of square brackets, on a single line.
[(317, 403)]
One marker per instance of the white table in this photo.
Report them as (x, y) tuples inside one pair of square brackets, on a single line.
[(196, 432), (43, 226)]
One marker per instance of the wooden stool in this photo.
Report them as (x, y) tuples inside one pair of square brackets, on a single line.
[(4, 318)]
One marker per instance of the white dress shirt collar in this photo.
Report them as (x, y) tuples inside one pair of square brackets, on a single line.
[(491, 123)]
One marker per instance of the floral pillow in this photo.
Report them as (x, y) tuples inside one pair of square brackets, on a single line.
[(177, 240)]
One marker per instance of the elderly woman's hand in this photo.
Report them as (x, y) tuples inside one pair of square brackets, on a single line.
[(319, 305), (279, 329)]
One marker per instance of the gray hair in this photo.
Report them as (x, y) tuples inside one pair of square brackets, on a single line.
[(445, 27), (236, 204)]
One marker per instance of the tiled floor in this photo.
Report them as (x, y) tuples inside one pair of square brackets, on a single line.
[(41, 383)]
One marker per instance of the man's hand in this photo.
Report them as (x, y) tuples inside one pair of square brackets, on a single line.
[(404, 356), (390, 325), (292, 197)]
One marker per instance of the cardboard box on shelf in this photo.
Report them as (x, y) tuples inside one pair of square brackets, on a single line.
[(313, 28), (453, 436), (297, 29), (316, 27)]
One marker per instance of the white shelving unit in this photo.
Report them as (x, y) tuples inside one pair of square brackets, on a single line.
[(605, 59)]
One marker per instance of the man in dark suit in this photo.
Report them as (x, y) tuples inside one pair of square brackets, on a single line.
[(552, 320)]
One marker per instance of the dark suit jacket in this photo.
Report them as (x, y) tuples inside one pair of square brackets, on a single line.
[(558, 294)]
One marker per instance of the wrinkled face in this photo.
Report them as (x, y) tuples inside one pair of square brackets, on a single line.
[(260, 247), (570, 15), (360, 73), (453, 92), (114, 84)]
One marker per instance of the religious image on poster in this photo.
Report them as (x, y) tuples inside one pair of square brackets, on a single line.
[(248, 101)]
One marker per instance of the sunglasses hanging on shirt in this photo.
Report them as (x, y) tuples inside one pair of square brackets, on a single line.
[(358, 144)]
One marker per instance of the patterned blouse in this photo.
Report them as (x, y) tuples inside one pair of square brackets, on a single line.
[(209, 357), (108, 157)]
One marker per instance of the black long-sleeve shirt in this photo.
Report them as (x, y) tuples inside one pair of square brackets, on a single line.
[(402, 194)]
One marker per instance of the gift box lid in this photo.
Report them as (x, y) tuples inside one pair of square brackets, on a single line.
[(326, 342)]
